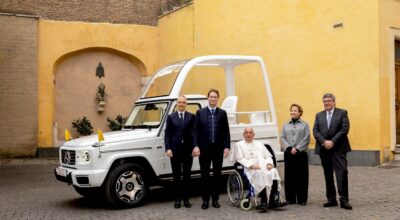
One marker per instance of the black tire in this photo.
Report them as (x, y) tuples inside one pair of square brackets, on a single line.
[(89, 192), (126, 186)]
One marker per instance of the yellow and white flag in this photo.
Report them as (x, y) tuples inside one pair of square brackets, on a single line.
[(67, 135), (100, 135)]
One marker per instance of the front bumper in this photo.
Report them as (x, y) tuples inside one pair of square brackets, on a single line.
[(81, 178), (66, 179)]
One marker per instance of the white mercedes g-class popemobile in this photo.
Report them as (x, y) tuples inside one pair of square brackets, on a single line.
[(123, 166)]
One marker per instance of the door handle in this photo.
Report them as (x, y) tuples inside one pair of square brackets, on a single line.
[(159, 147)]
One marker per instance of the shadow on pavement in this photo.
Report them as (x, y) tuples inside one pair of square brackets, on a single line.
[(155, 195)]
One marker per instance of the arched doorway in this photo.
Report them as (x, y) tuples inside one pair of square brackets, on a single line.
[(76, 88)]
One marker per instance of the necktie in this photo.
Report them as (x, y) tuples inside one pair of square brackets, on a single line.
[(212, 126), (181, 118), (329, 119)]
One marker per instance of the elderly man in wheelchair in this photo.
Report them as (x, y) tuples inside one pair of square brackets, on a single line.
[(254, 173)]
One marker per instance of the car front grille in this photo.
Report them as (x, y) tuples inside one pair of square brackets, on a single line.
[(68, 157)]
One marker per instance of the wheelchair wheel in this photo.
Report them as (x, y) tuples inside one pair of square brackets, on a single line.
[(235, 188), (246, 204)]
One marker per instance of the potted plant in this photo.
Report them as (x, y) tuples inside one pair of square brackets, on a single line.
[(83, 126), (117, 123)]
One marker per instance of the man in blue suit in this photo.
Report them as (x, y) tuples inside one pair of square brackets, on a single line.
[(330, 130), (213, 139), (179, 143)]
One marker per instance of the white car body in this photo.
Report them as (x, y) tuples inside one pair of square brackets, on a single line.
[(86, 163)]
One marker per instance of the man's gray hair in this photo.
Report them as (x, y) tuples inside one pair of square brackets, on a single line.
[(244, 130), (328, 95)]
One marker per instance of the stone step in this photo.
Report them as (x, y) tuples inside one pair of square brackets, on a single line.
[(47, 152), (397, 154), (29, 161)]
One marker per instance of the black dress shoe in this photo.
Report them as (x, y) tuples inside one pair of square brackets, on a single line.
[(345, 205), (204, 205), (263, 208), (187, 204), (215, 204), (330, 204), (177, 204), (302, 203), (272, 205)]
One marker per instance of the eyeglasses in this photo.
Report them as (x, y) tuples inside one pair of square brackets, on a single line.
[(326, 101)]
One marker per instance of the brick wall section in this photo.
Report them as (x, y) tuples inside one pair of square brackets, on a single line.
[(111, 11), (168, 5), (18, 86)]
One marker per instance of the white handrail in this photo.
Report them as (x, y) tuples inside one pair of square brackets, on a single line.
[(255, 117)]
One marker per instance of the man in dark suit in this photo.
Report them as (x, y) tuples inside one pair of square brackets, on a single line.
[(213, 139), (330, 131), (179, 143)]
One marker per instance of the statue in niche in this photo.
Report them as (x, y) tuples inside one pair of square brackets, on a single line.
[(100, 71), (101, 94)]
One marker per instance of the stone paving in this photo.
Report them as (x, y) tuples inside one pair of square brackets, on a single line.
[(31, 192)]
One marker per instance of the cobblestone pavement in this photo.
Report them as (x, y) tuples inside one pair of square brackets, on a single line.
[(31, 192)]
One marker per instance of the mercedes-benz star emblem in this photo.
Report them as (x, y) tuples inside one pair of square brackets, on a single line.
[(67, 158)]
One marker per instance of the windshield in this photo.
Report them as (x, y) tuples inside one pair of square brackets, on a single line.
[(146, 116), (161, 84)]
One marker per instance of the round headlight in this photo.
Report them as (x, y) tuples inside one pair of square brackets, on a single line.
[(86, 156)]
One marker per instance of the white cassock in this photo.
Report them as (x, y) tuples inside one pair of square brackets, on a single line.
[(255, 153)]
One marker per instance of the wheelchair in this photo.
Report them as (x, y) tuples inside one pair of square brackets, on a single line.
[(240, 191), (238, 186)]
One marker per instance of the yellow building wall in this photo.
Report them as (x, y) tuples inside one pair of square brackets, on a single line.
[(389, 20), (57, 39), (176, 36), (305, 55)]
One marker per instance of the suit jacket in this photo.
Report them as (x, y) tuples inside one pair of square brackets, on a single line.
[(178, 137), (222, 135), (337, 132)]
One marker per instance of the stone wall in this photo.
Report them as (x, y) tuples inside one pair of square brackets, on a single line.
[(111, 11), (18, 86)]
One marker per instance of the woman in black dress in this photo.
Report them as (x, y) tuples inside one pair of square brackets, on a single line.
[(295, 139)]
